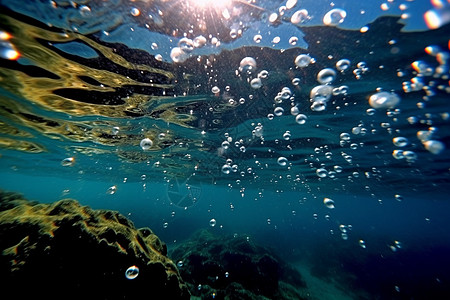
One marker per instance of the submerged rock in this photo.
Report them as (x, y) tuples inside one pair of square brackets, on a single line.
[(64, 250), (235, 268)]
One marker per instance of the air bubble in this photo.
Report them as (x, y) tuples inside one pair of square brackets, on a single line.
[(282, 161), (329, 203), (384, 100), (135, 12), (301, 119), (322, 173), (303, 60), (334, 17), (68, 162), (433, 146), (300, 16), (111, 190), (278, 111), (257, 38), (247, 64), (226, 169), (185, 44), (132, 272), (326, 76), (215, 90), (146, 144), (400, 141), (256, 83), (293, 40), (343, 64)]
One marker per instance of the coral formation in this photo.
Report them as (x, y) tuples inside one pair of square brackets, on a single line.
[(64, 250), (235, 268)]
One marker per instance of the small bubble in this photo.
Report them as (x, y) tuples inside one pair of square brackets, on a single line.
[(68, 162), (282, 161), (256, 83), (329, 203), (186, 45), (321, 172), (370, 111), (400, 141), (344, 136), (334, 17), (180, 264), (301, 119), (278, 111), (135, 12), (293, 40), (115, 130), (300, 16), (362, 244), (296, 81), (215, 90), (398, 198), (111, 190), (146, 144), (226, 169), (303, 60), (257, 38), (263, 74), (212, 222), (343, 64), (326, 76), (132, 272)]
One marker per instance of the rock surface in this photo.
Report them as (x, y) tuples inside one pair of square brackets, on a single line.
[(222, 267), (67, 251)]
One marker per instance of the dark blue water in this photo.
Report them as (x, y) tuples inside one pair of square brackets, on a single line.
[(83, 95)]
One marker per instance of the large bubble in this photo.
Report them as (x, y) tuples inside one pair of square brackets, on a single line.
[(334, 17), (326, 76), (247, 64), (303, 60), (321, 93), (300, 16), (384, 100)]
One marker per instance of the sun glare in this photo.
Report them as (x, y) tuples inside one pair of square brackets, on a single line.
[(211, 3)]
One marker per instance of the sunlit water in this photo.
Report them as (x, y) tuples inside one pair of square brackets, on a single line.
[(327, 143)]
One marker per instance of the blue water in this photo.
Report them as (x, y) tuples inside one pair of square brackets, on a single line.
[(90, 91)]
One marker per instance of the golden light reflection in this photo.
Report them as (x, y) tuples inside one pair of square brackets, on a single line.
[(50, 81)]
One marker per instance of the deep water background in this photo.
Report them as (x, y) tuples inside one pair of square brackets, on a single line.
[(299, 230)]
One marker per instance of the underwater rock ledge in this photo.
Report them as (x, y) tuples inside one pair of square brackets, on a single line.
[(234, 267), (64, 250)]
